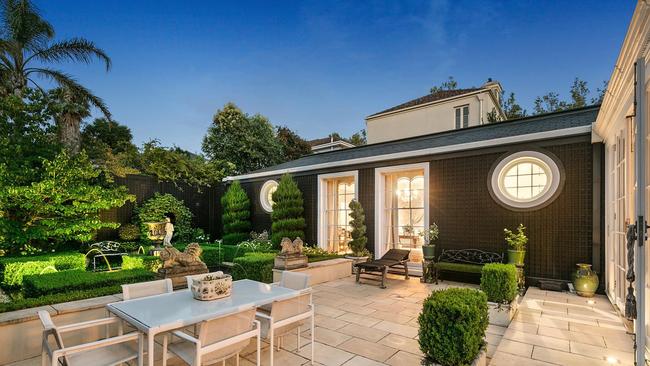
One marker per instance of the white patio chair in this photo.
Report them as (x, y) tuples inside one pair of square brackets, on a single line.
[(285, 316), (219, 339), (143, 289), (293, 280), (109, 351)]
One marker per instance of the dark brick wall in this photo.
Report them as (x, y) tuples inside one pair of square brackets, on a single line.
[(460, 203)]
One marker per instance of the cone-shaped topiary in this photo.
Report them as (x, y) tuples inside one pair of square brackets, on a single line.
[(287, 215), (358, 223), (236, 215)]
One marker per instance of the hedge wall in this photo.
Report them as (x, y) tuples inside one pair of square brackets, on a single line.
[(61, 282), (254, 266)]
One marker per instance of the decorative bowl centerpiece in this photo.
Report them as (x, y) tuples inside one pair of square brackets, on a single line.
[(212, 287)]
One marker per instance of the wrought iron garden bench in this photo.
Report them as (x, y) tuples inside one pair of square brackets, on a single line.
[(468, 261)]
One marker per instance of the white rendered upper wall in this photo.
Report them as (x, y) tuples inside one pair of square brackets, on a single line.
[(433, 117)]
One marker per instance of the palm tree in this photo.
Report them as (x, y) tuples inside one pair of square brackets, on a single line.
[(26, 49), (70, 108)]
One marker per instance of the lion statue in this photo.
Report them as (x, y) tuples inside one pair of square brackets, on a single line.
[(173, 257), (291, 248)]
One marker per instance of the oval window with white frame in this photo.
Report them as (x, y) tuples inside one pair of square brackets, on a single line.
[(525, 180), (266, 195)]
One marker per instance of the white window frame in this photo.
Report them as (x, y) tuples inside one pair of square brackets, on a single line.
[(322, 201), (458, 112), (264, 193), (380, 194), (553, 173)]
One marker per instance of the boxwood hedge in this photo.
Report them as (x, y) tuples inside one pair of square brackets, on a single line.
[(64, 281), (452, 326), (13, 269), (254, 266)]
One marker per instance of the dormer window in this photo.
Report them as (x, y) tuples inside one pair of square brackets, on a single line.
[(462, 116)]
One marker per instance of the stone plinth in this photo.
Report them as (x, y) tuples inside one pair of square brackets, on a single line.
[(177, 273), (290, 261)]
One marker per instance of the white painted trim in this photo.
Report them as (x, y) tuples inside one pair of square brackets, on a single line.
[(332, 144), (572, 131), (322, 202), (380, 187)]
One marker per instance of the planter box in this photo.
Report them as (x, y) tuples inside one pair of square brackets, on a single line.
[(480, 360), (500, 314), (323, 271)]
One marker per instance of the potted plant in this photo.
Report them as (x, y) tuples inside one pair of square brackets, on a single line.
[(499, 282), (517, 243), (430, 236), (212, 286), (359, 252)]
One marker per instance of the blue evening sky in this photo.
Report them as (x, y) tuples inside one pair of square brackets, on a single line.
[(322, 66)]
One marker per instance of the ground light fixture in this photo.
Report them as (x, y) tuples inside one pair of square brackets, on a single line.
[(612, 360)]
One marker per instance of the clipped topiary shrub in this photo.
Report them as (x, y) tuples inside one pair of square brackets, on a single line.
[(287, 216), (154, 210), (236, 215), (254, 266), (129, 232), (15, 272), (149, 262), (13, 269), (452, 326), (358, 223), (499, 282)]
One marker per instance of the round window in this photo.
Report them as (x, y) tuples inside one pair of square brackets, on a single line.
[(525, 179), (266, 195)]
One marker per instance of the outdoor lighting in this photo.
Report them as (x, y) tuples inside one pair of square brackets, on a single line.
[(611, 359), (591, 302)]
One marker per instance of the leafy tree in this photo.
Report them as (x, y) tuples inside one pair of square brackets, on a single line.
[(177, 165), (358, 223), (600, 93), (27, 136), (450, 84), (511, 108), (248, 142), (103, 134), (287, 216), (70, 108), (293, 146), (358, 138), (236, 215), (63, 205), (27, 50), (551, 101), (157, 207)]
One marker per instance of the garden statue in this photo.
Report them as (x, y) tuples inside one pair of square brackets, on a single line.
[(291, 256), (289, 247), (156, 233), (169, 231), (177, 264)]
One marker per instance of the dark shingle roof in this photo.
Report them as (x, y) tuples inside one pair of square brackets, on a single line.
[(540, 123), (444, 94)]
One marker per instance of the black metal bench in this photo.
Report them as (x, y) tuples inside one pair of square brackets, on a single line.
[(467, 261), (378, 268)]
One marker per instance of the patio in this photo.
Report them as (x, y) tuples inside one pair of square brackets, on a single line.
[(365, 325)]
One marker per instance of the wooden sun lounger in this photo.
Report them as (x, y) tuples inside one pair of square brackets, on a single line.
[(379, 267)]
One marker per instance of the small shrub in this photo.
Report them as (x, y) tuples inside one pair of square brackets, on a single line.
[(155, 209), (254, 266), (452, 326), (211, 256), (129, 232), (236, 215), (499, 282), (15, 272), (52, 283), (257, 242), (287, 216), (516, 241), (148, 262)]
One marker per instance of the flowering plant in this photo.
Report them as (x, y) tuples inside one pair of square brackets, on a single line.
[(431, 235)]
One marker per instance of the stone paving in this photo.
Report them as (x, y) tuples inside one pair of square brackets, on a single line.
[(553, 328), (363, 325)]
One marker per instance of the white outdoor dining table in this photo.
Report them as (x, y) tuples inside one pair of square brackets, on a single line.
[(161, 313)]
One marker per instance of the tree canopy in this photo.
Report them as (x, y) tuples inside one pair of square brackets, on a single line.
[(579, 97), (293, 146), (449, 84)]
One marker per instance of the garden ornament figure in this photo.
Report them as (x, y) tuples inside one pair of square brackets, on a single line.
[(289, 247), (169, 231), (172, 257)]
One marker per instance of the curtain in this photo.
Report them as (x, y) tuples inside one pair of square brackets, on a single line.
[(331, 214)]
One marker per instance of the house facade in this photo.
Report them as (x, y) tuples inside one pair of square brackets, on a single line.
[(473, 182), (437, 112), (621, 124)]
